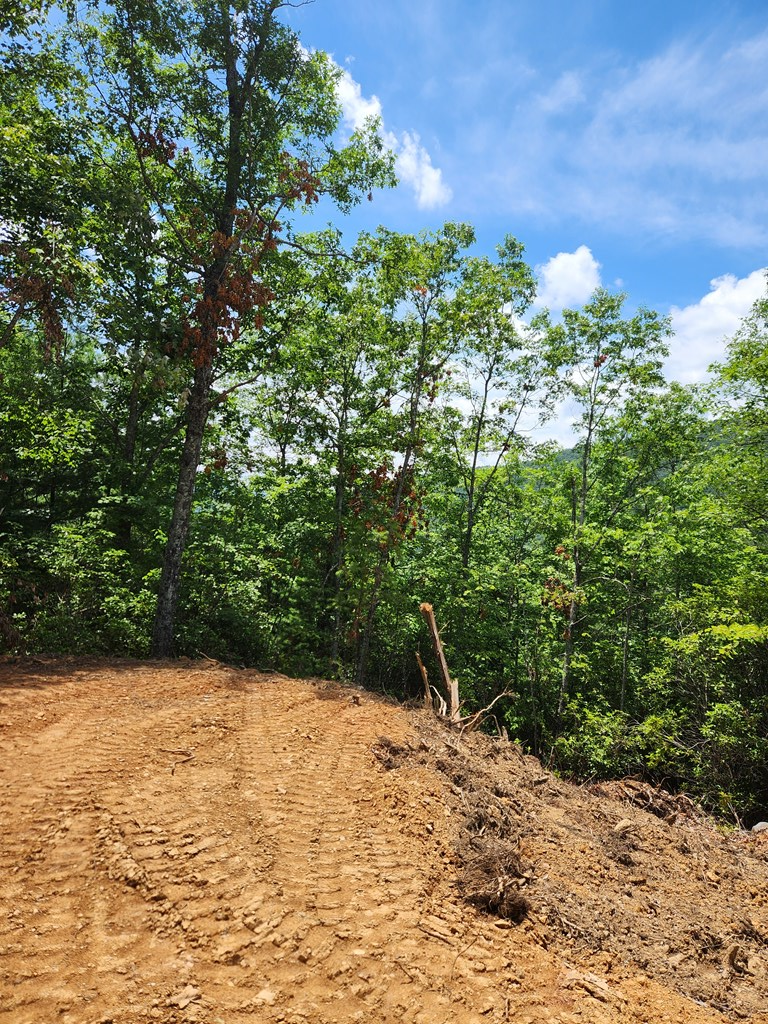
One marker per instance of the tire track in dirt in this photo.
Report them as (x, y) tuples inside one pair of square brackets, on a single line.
[(348, 892), (66, 929), (263, 888), (193, 845)]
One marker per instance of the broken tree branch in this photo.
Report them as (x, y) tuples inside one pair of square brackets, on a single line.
[(439, 704), (451, 686), (473, 721), (425, 679)]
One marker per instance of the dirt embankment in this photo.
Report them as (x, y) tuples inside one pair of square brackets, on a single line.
[(191, 843)]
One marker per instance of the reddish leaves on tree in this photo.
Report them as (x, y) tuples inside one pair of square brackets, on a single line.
[(297, 181), (391, 505), (556, 595), (156, 145), (220, 461), (216, 319), (222, 307), (29, 289)]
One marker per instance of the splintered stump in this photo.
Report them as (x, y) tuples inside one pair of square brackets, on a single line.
[(451, 686), (425, 680)]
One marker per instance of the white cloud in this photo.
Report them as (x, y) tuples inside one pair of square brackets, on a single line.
[(355, 108), (703, 328), (414, 166), (568, 279), (672, 146), (413, 162)]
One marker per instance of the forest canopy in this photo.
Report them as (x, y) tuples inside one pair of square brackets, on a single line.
[(219, 435)]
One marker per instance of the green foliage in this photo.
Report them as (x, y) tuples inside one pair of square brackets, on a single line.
[(733, 769), (595, 743), (89, 600), (337, 437)]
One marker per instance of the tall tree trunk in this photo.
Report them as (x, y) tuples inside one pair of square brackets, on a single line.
[(198, 407), (337, 553), (168, 596), (124, 525), (381, 565), (565, 681), (466, 546), (9, 328), (625, 651), (8, 631), (578, 517), (373, 604)]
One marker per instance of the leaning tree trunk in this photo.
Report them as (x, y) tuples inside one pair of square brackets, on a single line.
[(168, 595), (565, 679)]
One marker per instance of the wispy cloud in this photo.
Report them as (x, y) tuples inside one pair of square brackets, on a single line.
[(672, 145), (566, 93), (413, 163)]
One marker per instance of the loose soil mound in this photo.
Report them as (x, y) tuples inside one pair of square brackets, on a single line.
[(192, 843)]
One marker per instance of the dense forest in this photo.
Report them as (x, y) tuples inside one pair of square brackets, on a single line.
[(221, 435)]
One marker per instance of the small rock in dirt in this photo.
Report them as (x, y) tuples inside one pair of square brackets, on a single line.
[(761, 826), (590, 983), (187, 995), (625, 825), (267, 997)]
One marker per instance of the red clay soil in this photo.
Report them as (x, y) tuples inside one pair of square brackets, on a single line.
[(187, 842)]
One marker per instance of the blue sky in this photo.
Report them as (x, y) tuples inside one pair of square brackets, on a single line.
[(624, 144)]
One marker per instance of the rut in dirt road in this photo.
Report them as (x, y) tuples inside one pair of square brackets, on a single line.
[(214, 851), (192, 844)]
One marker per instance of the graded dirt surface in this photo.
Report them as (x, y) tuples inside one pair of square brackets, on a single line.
[(185, 842)]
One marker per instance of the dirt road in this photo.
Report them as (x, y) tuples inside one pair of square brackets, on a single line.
[(192, 843)]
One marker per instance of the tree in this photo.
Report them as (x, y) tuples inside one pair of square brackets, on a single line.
[(326, 401), (414, 280), (649, 465), (231, 124), (45, 184), (17, 18), (742, 390), (610, 361), (500, 370)]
